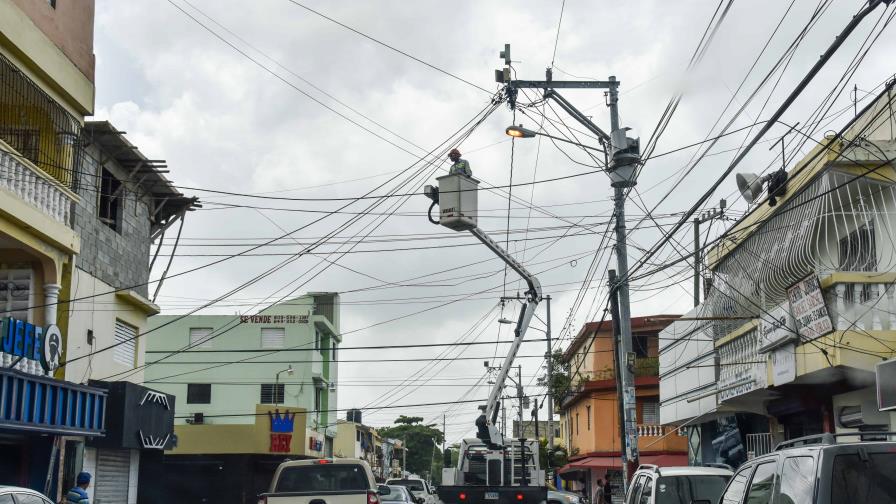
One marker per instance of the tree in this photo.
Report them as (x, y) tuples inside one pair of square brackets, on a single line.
[(422, 441), (560, 381)]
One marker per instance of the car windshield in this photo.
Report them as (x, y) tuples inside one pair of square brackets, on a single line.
[(396, 493), (677, 489), (857, 480), (322, 478), (412, 485)]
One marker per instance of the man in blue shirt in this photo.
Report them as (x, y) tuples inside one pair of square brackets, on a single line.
[(78, 494)]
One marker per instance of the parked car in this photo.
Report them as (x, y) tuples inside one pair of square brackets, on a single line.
[(417, 486), (677, 485), (398, 494), (818, 470), (563, 497), (333, 481), (18, 495)]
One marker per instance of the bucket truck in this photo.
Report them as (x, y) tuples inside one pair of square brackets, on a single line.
[(491, 469)]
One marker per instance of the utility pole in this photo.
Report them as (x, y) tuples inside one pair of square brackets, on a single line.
[(519, 396), (444, 432), (624, 157), (713, 213), (550, 381), (628, 466)]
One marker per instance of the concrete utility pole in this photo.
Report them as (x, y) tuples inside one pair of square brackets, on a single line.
[(550, 381), (622, 166), (628, 466)]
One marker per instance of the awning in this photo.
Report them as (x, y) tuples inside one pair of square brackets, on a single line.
[(586, 463)]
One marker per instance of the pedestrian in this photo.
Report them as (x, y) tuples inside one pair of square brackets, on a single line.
[(460, 166), (78, 494), (598, 493), (608, 492)]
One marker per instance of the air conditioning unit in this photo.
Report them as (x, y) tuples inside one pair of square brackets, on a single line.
[(198, 419), (332, 386)]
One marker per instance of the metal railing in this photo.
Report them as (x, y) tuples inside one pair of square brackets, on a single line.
[(37, 127), (759, 444)]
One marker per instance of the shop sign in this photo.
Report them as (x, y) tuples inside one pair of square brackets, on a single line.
[(281, 431), (137, 417), (776, 328), (28, 341), (315, 444), (273, 319), (784, 364), (809, 309)]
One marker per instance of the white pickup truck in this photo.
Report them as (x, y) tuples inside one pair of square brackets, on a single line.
[(322, 481)]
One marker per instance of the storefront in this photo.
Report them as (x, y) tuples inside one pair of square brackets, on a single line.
[(41, 421), (139, 422)]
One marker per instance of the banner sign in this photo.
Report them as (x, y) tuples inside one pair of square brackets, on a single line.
[(809, 309), (273, 319), (784, 364), (776, 328)]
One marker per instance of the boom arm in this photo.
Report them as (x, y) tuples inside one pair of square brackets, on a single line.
[(486, 423)]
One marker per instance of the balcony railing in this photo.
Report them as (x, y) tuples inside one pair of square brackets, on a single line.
[(862, 306), (741, 368), (35, 188)]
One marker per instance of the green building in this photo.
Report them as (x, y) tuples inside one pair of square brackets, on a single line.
[(251, 390)]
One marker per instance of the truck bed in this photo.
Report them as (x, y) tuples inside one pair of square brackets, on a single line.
[(492, 494)]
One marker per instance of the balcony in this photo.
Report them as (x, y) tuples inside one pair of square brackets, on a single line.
[(654, 438), (742, 368), (861, 301), (40, 144)]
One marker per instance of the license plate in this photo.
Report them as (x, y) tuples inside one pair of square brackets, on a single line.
[(491, 495)]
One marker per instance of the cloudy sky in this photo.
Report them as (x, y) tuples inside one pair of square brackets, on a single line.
[(324, 113)]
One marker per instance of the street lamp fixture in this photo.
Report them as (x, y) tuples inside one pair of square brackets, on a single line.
[(290, 371), (521, 132)]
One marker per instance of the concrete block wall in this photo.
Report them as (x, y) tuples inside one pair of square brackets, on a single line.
[(118, 257)]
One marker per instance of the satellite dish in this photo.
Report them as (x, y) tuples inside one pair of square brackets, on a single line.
[(750, 186)]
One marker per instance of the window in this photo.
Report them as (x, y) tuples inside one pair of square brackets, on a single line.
[(857, 250), (6, 499), (272, 393), (588, 416), (650, 413), (640, 343), (318, 401), (272, 337), (736, 487), (647, 491), (864, 481), (200, 337), (798, 480), (125, 344), (324, 345), (23, 498), (762, 484), (317, 337), (685, 489), (199, 393), (635, 490), (109, 210), (15, 293), (322, 478)]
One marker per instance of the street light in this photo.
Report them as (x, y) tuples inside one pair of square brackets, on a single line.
[(521, 132), (288, 371)]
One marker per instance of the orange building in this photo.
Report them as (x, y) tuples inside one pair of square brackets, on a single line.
[(590, 412)]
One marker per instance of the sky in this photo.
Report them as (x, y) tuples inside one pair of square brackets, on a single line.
[(283, 103)]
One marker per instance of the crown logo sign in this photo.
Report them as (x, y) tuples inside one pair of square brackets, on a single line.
[(281, 423)]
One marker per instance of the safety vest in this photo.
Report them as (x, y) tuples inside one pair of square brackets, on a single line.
[(461, 167)]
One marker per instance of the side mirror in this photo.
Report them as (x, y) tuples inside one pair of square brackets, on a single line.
[(382, 490)]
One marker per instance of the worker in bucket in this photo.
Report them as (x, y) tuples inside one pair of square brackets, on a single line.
[(460, 166)]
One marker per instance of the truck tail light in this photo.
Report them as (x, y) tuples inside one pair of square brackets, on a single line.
[(462, 496), (373, 498), (519, 497)]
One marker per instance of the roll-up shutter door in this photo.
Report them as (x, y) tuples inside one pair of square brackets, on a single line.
[(112, 473)]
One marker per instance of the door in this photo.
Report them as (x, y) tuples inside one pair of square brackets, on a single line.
[(113, 469)]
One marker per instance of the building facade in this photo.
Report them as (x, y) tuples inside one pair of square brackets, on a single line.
[(251, 390), (46, 90), (589, 414), (801, 305)]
